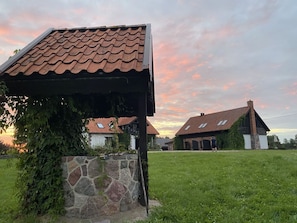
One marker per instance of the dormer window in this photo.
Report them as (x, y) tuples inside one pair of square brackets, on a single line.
[(222, 122), (100, 125), (202, 125)]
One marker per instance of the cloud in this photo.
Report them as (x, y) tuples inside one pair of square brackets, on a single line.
[(208, 55)]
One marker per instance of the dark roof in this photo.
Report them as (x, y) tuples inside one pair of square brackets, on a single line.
[(128, 120), (105, 128), (210, 122), (97, 60)]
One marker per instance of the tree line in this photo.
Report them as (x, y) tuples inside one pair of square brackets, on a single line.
[(274, 142)]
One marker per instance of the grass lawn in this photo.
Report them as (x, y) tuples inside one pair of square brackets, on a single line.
[(245, 186), (8, 202), (233, 186)]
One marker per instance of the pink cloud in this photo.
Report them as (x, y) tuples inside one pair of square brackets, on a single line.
[(228, 85), (196, 76), (293, 89)]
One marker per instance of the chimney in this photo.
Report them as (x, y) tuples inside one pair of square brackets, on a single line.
[(201, 114), (255, 142)]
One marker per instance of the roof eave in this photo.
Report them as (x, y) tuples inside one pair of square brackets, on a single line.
[(25, 50)]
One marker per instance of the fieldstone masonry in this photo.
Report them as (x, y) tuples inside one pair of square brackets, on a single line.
[(94, 187)]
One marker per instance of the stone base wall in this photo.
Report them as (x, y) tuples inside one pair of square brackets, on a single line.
[(95, 187)]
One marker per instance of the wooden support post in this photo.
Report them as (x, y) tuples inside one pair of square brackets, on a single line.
[(142, 112)]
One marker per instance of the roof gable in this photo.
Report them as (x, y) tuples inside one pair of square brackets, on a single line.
[(218, 121)]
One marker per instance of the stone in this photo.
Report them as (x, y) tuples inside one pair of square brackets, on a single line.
[(72, 165), (131, 156), (80, 200), (89, 210), (98, 201), (136, 174), (84, 170), (80, 159), (69, 158), (126, 202), (93, 168), (72, 213), (124, 164), (132, 167), (85, 187), (64, 171), (112, 169), (102, 182), (68, 195), (125, 177), (135, 191), (131, 186), (110, 208), (119, 157), (104, 221), (74, 176), (110, 187), (116, 191)]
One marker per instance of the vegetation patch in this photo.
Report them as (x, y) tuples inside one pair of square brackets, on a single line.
[(235, 186)]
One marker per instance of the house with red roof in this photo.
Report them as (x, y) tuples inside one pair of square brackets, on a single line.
[(197, 132), (102, 130)]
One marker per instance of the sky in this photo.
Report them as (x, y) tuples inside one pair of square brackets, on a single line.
[(209, 56)]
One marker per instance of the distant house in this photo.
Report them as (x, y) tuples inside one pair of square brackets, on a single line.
[(102, 130), (197, 132), (164, 143)]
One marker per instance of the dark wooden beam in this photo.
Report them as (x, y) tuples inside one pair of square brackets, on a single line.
[(142, 103)]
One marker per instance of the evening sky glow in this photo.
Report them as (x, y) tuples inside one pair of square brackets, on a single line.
[(209, 56)]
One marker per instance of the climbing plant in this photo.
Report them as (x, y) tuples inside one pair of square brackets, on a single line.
[(48, 128), (233, 139), (178, 143), (51, 127)]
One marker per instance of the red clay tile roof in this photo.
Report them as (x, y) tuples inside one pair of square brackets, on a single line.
[(94, 62), (212, 122), (91, 50), (93, 125), (151, 129)]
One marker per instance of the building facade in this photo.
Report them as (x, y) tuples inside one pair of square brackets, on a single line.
[(197, 133)]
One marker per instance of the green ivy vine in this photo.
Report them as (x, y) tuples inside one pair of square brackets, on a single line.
[(50, 127), (233, 139)]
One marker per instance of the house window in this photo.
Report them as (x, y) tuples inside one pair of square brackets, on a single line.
[(187, 127), (202, 125), (100, 125), (222, 122)]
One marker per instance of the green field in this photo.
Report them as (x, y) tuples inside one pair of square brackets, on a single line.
[(233, 186), (8, 200)]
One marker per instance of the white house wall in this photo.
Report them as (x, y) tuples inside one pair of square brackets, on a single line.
[(247, 141), (132, 142), (98, 139), (262, 139)]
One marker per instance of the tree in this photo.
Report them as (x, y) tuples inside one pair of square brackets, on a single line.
[(178, 143), (273, 142), (3, 148)]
